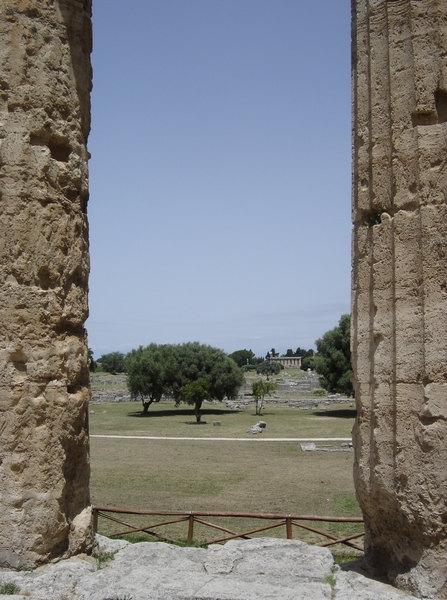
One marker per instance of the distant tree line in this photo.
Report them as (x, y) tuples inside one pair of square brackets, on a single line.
[(247, 360), (331, 360), (307, 357), (193, 372), (113, 362)]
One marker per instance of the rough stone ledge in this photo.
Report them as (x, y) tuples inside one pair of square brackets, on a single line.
[(240, 570)]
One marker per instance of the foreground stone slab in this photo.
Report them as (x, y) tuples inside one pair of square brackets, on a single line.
[(240, 570), (45, 80), (399, 293)]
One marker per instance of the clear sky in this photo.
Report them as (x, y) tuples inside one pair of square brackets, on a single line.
[(220, 173)]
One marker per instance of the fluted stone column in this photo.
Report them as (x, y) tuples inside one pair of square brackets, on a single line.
[(399, 287), (45, 82)]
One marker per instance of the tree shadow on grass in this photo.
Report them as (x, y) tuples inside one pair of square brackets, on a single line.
[(340, 413), (181, 412)]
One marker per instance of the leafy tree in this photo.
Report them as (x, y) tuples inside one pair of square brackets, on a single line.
[(91, 361), (112, 362), (307, 358), (195, 392), (254, 362), (258, 360), (268, 368), (271, 353), (261, 389), (333, 360), (149, 373), (301, 352), (159, 370), (242, 357), (194, 361), (308, 362)]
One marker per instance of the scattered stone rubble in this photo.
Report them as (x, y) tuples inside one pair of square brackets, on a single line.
[(109, 388), (305, 404), (102, 396), (312, 447), (112, 388), (258, 428)]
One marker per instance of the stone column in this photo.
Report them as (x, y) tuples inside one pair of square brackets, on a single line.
[(45, 82), (399, 287)]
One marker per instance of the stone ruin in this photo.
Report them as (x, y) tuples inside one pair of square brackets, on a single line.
[(399, 283), (399, 290), (45, 82)]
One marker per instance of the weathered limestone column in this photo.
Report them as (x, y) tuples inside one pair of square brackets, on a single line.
[(45, 81), (399, 290)]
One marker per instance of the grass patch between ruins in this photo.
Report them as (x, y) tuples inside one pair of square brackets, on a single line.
[(224, 476), (9, 588), (165, 420)]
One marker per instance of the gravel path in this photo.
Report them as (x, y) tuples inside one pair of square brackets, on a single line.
[(222, 439)]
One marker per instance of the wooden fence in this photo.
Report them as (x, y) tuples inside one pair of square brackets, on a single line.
[(193, 517)]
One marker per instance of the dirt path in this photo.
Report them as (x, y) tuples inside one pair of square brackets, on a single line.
[(213, 439)]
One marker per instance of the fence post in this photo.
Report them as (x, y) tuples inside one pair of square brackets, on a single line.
[(190, 527), (95, 520), (288, 527)]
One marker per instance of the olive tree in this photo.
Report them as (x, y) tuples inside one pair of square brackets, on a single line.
[(242, 357), (269, 368), (113, 362), (260, 389), (149, 373), (195, 392), (167, 369)]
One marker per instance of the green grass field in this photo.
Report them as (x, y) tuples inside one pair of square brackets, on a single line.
[(231, 476), (165, 420)]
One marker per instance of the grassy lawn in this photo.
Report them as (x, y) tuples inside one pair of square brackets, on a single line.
[(165, 420), (232, 476)]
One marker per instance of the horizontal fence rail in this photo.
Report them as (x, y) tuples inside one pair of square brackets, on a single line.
[(193, 517)]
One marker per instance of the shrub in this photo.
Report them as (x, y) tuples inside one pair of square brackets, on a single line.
[(9, 588)]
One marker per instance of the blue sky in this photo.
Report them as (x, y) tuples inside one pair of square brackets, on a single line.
[(220, 173)]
